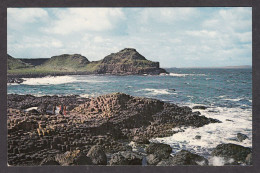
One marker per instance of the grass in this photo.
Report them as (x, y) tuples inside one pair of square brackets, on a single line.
[(68, 64), (13, 63)]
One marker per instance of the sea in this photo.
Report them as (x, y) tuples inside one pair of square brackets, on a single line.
[(227, 94)]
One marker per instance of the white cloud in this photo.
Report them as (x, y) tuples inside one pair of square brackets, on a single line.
[(167, 15), (81, 19), (202, 33), (173, 36), (20, 16), (230, 19), (245, 37)]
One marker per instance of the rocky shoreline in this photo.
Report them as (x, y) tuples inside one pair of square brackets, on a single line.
[(112, 129), (18, 78)]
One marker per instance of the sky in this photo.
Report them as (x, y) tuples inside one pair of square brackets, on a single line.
[(176, 37)]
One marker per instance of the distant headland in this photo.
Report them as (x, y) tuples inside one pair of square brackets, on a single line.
[(125, 62)]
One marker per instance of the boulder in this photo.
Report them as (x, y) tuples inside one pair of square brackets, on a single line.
[(199, 107), (162, 151), (241, 137), (153, 159), (184, 158), (249, 159), (156, 152), (126, 158), (198, 137), (97, 155), (72, 158), (82, 160), (236, 152), (49, 161), (140, 140)]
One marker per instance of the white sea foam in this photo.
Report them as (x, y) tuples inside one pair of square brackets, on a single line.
[(49, 80), (235, 100), (234, 120), (56, 80), (9, 84), (89, 95), (219, 161), (158, 91), (31, 108), (209, 79), (183, 75)]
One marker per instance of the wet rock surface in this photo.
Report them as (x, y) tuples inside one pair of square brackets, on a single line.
[(184, 158), (232, 151), (14, 80), (241, 137), (199, 107), (109, 121), (157, 152)]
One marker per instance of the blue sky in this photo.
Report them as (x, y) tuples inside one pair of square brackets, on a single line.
[(176, 37)]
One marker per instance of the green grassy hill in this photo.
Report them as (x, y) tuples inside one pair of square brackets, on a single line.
[(13, 63), (65, 62)]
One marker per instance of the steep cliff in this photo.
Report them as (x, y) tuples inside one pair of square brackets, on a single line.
[(126, 61)]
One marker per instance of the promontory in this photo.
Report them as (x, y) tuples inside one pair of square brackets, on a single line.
[(125, 62)]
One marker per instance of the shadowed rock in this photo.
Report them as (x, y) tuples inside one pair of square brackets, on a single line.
[(184, 158), (241, 137), (236, 152), (97, 155), (157, 152), (73, 158), (199, 107), (126, 158), (49, 161)]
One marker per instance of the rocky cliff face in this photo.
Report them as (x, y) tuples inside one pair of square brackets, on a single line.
[(128, 61)]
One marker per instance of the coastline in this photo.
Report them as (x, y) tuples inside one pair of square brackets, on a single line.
[(128, 122)]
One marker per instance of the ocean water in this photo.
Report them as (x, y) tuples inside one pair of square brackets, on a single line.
[(226, 92)]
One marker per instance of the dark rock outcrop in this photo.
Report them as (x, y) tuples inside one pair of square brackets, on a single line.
[(241, 137), (97, 155), (184, 158), (126, 158), (232, 151), (14, 80), (128, 61)]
